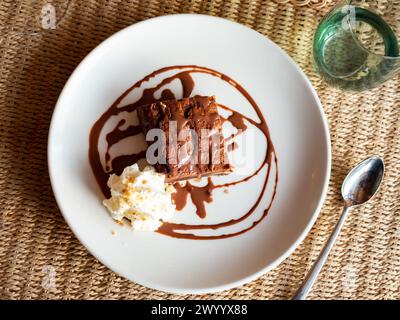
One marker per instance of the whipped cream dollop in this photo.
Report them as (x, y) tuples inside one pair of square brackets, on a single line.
[(143, 197)]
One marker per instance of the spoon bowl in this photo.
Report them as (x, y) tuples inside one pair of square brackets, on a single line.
[(362, 183)]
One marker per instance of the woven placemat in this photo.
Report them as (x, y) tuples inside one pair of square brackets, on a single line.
[(39, 255)]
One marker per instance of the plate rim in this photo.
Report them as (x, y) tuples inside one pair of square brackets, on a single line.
[(266, 268)]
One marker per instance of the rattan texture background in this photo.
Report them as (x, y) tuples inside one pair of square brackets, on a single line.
[(34, 66)]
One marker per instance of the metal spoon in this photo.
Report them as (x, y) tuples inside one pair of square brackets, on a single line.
[(359, 186)]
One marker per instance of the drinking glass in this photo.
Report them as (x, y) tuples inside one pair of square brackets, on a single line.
[(356, 45)]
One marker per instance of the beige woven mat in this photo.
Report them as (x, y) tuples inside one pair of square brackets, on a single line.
[(35, 241)]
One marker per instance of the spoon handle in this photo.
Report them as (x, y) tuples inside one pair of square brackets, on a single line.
[(319, 263)]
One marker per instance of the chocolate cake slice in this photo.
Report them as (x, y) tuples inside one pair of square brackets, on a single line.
[(193, 142)]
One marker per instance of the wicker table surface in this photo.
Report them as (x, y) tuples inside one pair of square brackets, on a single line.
[(35, 241)]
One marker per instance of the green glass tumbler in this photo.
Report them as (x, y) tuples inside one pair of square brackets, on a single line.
[(356, 46)]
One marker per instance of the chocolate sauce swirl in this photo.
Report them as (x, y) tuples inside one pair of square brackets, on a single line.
[(198, 195)]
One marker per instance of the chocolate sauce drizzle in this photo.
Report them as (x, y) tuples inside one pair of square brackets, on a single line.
[(198, 195)]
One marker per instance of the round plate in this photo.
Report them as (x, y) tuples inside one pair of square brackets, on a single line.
[(298, 129)]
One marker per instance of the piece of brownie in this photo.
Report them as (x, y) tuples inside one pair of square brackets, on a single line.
[(194, 145)]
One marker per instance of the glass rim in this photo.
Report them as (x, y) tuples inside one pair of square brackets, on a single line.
[(357, 40)]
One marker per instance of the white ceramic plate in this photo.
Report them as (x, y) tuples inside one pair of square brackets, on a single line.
[(298, 130)]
